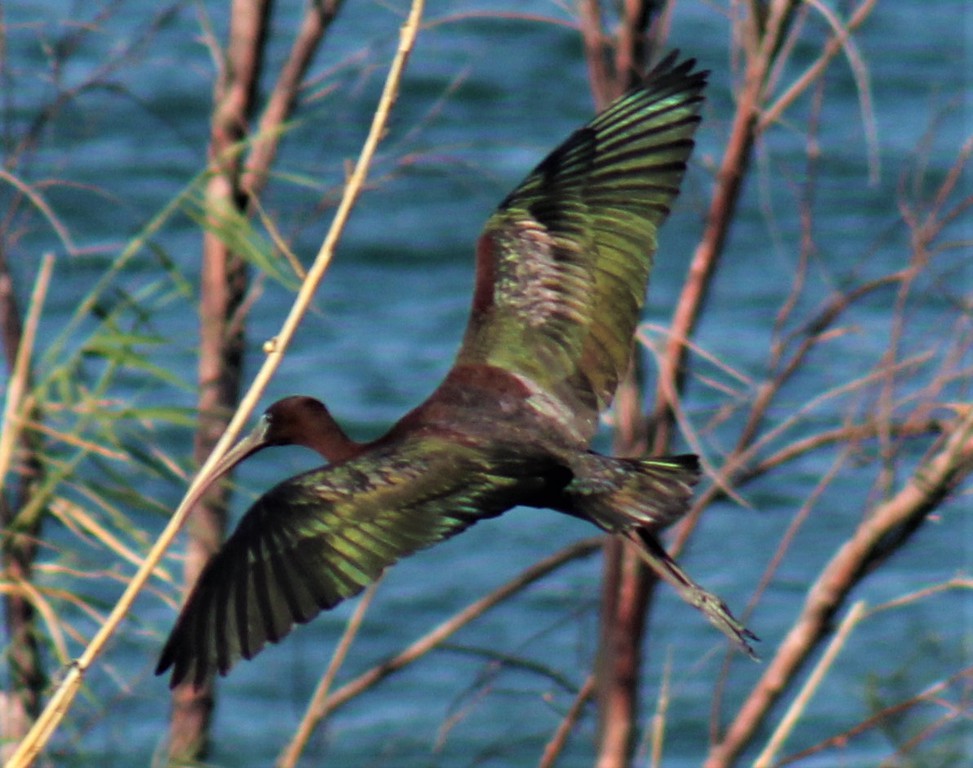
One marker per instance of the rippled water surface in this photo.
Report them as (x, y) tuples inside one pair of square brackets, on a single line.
[(483, 99)]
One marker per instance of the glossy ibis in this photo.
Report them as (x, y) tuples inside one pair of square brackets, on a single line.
[(561, 274)]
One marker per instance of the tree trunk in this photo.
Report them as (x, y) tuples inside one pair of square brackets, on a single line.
[(626, 581), (224, 280), (223, 286)]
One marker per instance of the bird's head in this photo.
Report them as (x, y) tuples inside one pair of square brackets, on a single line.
[(300, 420), (295, 420)]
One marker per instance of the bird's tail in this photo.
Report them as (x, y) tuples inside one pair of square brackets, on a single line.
[(636, 498), (622, 494), (714, 609)]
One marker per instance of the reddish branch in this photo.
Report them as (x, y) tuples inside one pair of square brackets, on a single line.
[(934, 693), (283, 97), (722, 208), (595, 52), (887, 528), (627, 586), (625, 591)]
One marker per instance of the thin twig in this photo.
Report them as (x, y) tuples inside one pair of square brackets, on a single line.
[(659, 719), (292, 752), (317, 19), (841, 740), (555, 746), (593, 37), (436, 636), (733, 168), (41, 205), (841, 40), (797, 707)]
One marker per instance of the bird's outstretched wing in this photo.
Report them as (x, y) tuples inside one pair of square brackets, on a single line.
[(563, 263), (323, 536)]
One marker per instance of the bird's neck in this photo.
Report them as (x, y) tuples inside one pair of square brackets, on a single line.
[(330, 440)]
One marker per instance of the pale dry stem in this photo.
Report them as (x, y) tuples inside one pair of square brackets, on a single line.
[(803, 698), (14, 409)]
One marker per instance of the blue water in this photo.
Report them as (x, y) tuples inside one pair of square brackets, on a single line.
[(482, 101)]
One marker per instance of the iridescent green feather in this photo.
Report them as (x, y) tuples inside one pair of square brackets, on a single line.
[(323, 536), (563, 263)]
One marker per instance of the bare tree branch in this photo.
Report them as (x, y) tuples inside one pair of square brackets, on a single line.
[(886, 529)]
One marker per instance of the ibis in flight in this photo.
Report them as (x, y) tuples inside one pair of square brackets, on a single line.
[(562, 268)]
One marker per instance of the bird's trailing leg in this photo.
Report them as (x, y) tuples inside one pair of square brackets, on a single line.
[(715, 610)]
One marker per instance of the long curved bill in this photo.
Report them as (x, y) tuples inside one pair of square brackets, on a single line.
[(245, 448)]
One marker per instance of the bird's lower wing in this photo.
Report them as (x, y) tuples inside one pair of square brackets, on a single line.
[(321, 537)]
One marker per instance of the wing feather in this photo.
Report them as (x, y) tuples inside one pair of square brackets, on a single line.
[(323, 536), (563, 264)]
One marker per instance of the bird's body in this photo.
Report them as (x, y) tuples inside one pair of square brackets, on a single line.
[(562, 268)]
